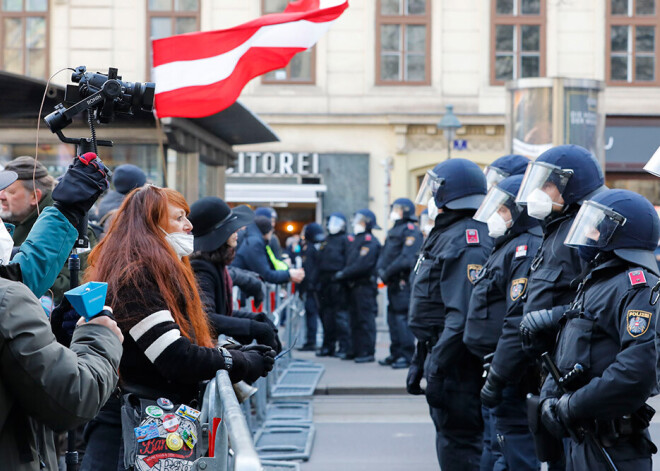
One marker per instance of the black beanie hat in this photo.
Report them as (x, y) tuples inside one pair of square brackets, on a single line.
[(264, 224)]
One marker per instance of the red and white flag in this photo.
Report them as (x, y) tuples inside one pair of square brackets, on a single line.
[(200, 74)]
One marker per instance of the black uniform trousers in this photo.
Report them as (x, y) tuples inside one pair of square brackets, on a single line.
[(402, 339), (331, 299), (363, 310), (458, 423)]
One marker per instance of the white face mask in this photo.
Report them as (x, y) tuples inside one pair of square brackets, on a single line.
[(497, 226), (539, 204), (182, 243), (433, 209), (6, 245), (427, 228), (394, 216), (358, 228)]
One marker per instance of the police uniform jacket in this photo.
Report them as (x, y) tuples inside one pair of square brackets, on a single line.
[(362, 257), (251, 255), (332, 255), (551, 272), (45, 386), (451, 259), (610, 331), (499, 289), (311, 265), (399, 252)]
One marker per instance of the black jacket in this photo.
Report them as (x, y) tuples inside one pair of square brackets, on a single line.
[(251, 255), (361, 259), (332, 254), (399, 252), (500, 289), (611, 332)]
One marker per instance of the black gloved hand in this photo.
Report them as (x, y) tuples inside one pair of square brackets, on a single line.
[(251, 362), (63, 321), (81, 185), (537, 331), (382, 276), (415, 375), (434, 391), (263, 317), (264, 334), (491, 392), (555, 415)]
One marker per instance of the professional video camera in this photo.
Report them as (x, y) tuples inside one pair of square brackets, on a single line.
[(102, 96)]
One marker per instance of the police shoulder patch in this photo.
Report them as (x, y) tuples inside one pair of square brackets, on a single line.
[(472, 236), (517, 288), (410, 240), (637, 277), (521, 251), (638, 322), (367, 237), (473, 272), (364, 251), (351, 238)]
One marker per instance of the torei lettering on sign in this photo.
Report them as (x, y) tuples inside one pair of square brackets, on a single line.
[(276, 163)]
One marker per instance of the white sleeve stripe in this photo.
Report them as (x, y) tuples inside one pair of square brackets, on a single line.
[(161, 343), (139, 329)]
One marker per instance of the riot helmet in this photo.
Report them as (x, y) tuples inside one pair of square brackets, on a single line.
[(404, 209), (560, 177), (504, 167), (454, 184), (499, 208), (364, 221), (336, 223), (313, 232), (618, 221)]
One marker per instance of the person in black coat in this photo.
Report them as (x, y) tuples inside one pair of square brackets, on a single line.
[(215, 228), (313, 236)]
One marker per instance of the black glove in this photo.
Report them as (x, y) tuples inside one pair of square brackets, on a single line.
[(555, 415), (537, 331), (434, 391), (382, 276), (338, 276), (251, 362), (491, 392), (79, 188), (415, 375), (263, 317), (63, 321), (265, 334)]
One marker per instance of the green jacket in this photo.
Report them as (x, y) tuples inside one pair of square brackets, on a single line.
[(22, 229), (44, 386)]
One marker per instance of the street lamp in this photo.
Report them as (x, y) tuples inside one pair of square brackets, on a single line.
[(449, 124)]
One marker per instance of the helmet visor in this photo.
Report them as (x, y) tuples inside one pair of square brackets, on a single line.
[(494, 175), (653, 165), (538, 176), (360, 218), (335, 224), (429, 187), (593, 226), (494, 200)]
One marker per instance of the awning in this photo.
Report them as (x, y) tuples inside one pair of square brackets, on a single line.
[(272, 193)]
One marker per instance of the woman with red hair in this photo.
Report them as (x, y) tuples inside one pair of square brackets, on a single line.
[(169, 346)]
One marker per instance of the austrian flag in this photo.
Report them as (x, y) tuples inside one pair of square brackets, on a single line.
[(200, 74)]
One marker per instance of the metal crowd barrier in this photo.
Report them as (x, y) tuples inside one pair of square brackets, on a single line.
[(274, 423)]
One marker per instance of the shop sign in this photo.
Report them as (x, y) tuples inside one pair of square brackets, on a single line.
[(276, 163)]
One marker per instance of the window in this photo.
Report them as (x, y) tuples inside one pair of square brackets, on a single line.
[(517, 40), (301, 68), (24, 37), (170, 17), (632, 42), (403, 42)]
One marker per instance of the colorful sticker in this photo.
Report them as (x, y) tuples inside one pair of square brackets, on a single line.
[(170, 422), (174, 442), (187, 412), (164, 403), (154, 411), (146, 432), (638, 322), (517, 288), (473, 272), (190, 438)]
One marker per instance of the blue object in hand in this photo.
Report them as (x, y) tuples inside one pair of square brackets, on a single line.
[(88, 299)]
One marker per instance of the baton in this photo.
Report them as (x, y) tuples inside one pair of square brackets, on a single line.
[(588, 435)]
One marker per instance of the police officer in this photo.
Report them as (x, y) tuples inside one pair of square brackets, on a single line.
[(609, 331), (313, 237), (450, 261), (394, 265), (499, 290), (552, 190), (505, 166), (360, 276), (332, 294)]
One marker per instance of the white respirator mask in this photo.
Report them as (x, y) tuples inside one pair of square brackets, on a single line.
[(358, 229), (539, 204), (497, 226), (433, 209), (182, 243), (394, 216)]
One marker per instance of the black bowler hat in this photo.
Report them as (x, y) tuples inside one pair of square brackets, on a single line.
[(213, 222)]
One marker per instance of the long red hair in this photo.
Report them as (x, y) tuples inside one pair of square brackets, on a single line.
[(134, 254)]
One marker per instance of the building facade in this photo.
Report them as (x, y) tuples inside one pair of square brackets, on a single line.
[(376, 85)]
